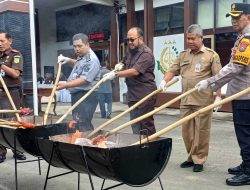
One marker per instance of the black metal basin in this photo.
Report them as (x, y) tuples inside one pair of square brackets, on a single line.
[(25, 138), (136, 165)]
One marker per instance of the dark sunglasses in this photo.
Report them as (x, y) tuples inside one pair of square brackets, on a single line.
[(131, 39)]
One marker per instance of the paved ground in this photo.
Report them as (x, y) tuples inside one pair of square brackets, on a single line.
[(224, 153)]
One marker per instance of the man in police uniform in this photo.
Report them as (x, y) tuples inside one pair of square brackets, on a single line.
[(85, 74), (237, 74), (11, 67), (194, 64)]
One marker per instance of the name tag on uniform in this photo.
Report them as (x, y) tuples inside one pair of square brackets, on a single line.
[(197, 67), (2, 73), (74, 76)]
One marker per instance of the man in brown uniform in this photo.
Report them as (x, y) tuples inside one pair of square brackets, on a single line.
[(11, 67), (139, 72), (195, 64)]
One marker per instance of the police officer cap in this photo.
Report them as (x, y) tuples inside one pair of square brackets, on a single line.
[(239, 8)]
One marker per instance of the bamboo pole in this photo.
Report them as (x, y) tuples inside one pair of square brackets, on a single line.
[(7, 126), (52, 93), (104, 79), (191, 116), (151, 113), (130, 109), (9, 97), (9, 111)]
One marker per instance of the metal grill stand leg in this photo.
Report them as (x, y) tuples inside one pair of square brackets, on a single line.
[(85, 160), (103, 184), (78, 181), (160, 183), (47, 176), (39, 165), (15, 162)]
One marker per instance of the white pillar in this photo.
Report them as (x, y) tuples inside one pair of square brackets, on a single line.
[(33, 55)]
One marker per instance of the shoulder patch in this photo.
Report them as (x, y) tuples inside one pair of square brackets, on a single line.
[(216, 58), (17, 59), (242, 54)]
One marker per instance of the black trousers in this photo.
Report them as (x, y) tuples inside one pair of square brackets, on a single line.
[(84, 111), (241, 118), (5, 104), (146, 124)]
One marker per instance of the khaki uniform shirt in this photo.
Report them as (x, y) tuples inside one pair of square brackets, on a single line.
[(194, 67), (13, 59), (237, 71)]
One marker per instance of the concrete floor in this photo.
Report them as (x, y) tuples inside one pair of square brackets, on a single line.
[(224, 153)]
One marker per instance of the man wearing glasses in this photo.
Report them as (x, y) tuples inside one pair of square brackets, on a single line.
[(237, 74), (139, 72)]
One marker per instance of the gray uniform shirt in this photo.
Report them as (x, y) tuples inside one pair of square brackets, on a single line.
[(238, 75), (88, 68)]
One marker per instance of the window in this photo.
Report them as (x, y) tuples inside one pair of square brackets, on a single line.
[(169, 19), (223, 7), (205, 13)]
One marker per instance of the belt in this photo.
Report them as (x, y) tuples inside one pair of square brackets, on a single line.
[(9, 88)]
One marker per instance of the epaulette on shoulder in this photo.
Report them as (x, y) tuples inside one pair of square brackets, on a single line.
[(208, 49), (183, 51), (246, 35), (14, 50)]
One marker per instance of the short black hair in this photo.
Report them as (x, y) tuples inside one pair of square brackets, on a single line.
[(7, 35), (81, 36), (139, 31)]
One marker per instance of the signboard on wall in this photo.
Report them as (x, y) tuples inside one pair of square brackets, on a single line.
[(166, 49)]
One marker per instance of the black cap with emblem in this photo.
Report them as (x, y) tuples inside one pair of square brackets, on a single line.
[(239, 8)]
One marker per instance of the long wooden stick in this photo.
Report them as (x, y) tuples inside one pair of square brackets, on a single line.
[(151, 113), (131, 108), (191, 116), (10, 123), (52, 93), (7, 126), (9, 111), (9, 96), (83, 98)]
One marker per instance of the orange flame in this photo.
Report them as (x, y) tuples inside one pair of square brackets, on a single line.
[(76, 135)]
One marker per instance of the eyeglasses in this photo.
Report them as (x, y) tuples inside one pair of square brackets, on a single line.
[(131, 39)]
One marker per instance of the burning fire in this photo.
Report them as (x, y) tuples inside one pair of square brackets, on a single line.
[(75, 136)]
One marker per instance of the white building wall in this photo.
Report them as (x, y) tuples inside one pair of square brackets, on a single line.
[(48, 44)]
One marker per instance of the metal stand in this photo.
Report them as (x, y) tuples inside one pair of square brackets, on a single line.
[(48, 170), (20, 162), (88, 172), (86, 162), (117, 185)]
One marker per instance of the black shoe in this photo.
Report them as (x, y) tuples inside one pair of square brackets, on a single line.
[(186, 164), (2, 158), (198, 168), (19, 156), (236, 170), (108, 115), (238, 180)]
